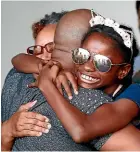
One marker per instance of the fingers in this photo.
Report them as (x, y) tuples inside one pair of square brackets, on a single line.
[(25, 123), (28, 133), (67, 88), (34, 127), (33, 84), (31, 123), (57, 64), (51, 70), (42, 63), (34, 115), (50, 64), (27, 106), (45, 62), (35, 75), (73, 81), (38, 123), (58, 85), (55, 70), (62, 80), (53, 62)]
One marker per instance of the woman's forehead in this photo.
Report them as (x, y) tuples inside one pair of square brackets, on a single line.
[(46, 35)]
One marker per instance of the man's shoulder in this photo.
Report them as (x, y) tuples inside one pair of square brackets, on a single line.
[(14, 77), (88, 100), (14, 72), (93, 93), (15, 92)]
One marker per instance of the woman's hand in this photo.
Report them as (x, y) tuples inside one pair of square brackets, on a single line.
[(25, 123), (63, 79)]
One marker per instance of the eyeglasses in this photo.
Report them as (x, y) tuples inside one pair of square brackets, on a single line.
[(101, 62), (38, 49)]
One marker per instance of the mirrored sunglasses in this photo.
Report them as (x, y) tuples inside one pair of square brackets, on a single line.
[(101, 62), (38, 49)]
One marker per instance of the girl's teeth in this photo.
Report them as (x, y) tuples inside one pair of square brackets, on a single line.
[(83, 76), (89, 78)]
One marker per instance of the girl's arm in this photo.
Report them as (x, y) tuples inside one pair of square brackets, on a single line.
[(27, 63), (106, 119)]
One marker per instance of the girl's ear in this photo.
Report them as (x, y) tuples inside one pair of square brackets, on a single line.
[(124, 70)]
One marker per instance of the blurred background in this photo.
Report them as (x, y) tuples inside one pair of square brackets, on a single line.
[(17, 18)]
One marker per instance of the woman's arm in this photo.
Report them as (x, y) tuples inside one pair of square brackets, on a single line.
[(7, 140), (107, 118), (27, 63)]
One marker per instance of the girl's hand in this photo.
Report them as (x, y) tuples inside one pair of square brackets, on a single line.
[(49, 72), (40, 65), (25, 123), (63, 79)]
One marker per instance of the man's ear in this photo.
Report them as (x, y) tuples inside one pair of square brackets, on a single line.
[(123, 71)]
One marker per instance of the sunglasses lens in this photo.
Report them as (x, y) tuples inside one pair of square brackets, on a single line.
[(80, 56), (102, 63)]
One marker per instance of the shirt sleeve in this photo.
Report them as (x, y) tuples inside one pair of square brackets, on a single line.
[(132, 93)]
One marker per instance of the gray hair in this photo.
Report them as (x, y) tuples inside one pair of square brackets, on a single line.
[(52, 18)]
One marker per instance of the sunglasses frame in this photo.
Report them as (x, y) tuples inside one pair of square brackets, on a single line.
[(93, 55)]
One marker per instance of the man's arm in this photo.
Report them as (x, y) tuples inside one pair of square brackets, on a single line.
[(27, 63), (107, 118)]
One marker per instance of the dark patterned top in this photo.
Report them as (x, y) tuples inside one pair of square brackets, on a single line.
[(15, 93)]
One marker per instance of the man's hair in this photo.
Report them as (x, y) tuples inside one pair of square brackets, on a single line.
[(52, 18), (137, 5)]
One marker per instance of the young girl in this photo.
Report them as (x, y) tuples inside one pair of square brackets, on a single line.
[(103, 62)]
